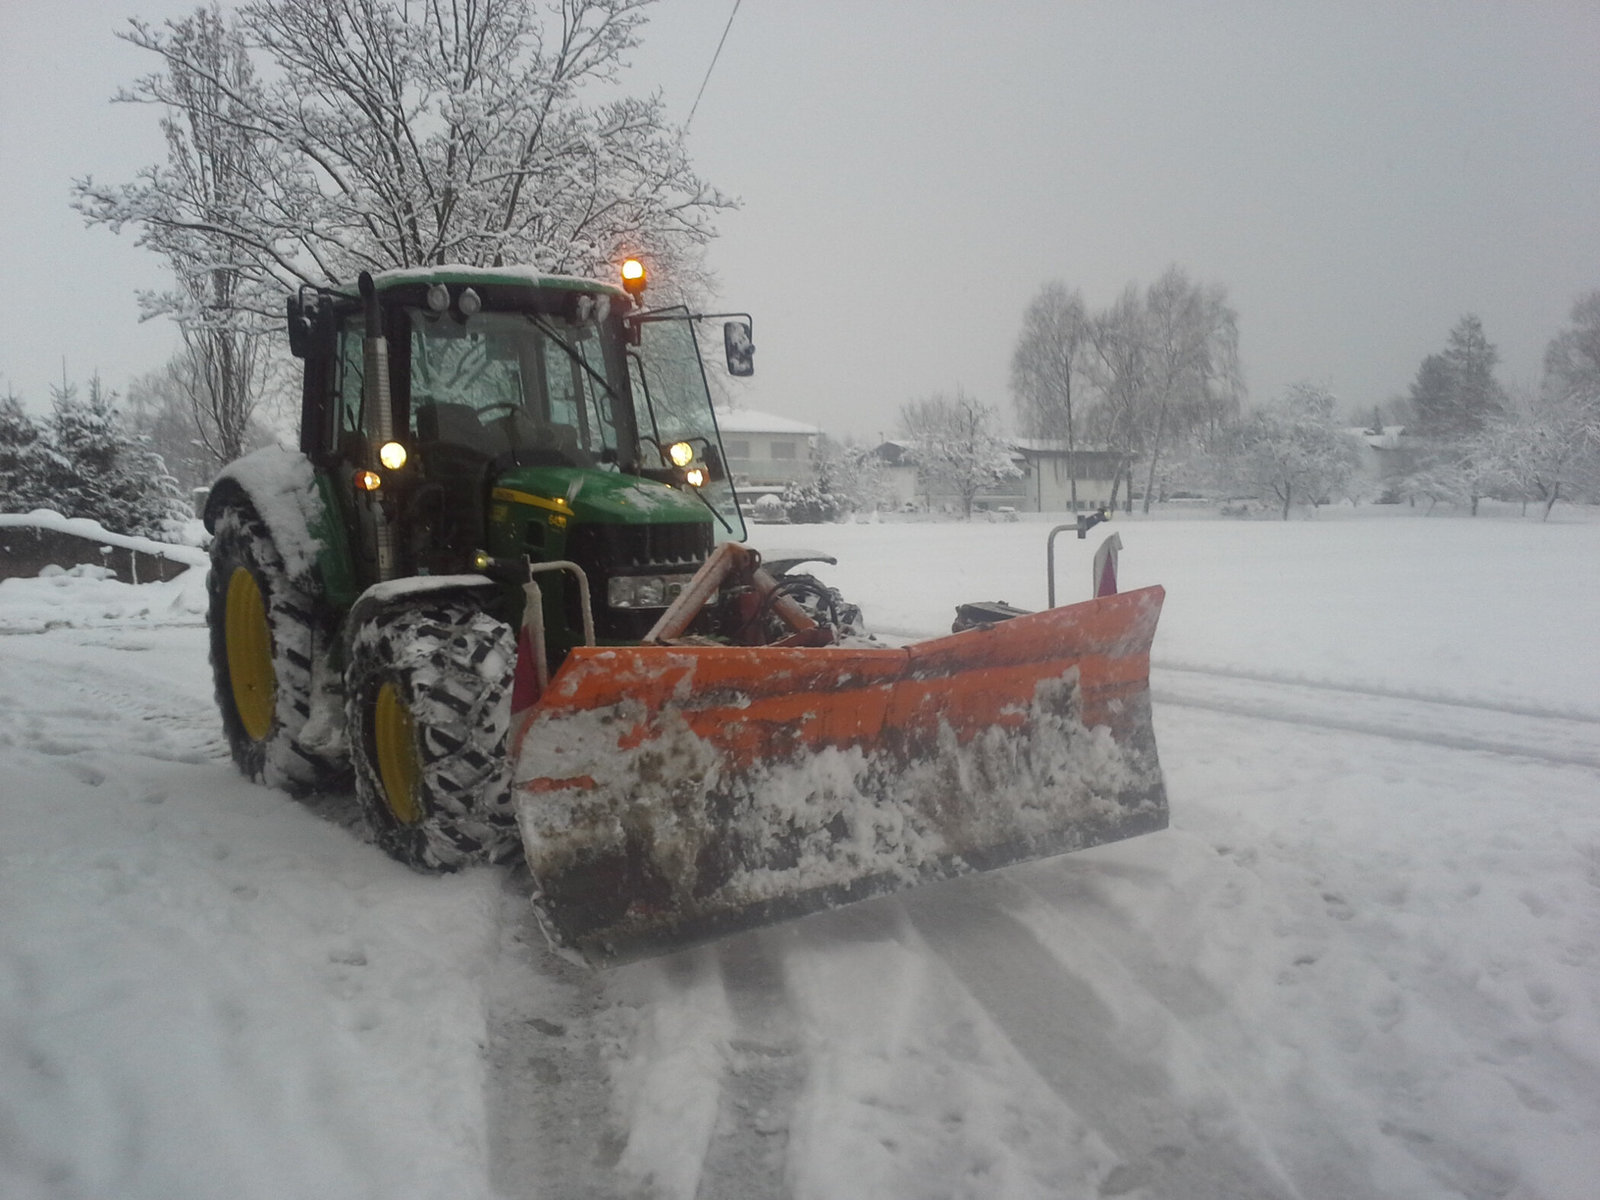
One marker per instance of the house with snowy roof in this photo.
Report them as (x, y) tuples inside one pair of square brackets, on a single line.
[(1044, 482), (1049, 469), (767, 452)]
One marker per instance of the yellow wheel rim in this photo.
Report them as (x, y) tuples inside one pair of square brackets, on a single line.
[(395, 740), (255, 687)]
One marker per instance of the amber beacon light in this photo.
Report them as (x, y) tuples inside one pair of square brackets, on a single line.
[(633, 277)]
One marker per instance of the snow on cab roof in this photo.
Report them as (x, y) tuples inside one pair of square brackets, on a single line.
[(521, 276)]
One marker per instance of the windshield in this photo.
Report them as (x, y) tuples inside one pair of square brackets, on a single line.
[(675, 406), (538, 387)]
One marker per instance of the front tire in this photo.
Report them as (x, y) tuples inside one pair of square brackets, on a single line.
[(261, 652), (428, 694)]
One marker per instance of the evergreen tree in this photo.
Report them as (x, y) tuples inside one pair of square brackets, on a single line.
[(1432, 396), (1455, 394), (100, 471), (1472, 359), (24, 454)]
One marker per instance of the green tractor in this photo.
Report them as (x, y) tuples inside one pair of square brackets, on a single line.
[(500, 585), (456, 425)]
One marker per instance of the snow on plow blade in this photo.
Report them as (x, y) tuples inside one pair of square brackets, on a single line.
[(670, 794)]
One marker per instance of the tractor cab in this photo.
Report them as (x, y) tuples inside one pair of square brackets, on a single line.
[(509, 397)]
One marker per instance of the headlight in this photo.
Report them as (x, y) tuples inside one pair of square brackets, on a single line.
[(392, 455), (681, 454), (644, 591)]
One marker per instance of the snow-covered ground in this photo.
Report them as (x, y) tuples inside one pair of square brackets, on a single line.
[(1364, 961)]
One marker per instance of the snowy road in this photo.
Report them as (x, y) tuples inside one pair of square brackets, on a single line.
[(1352, 1006), (1364, 962)]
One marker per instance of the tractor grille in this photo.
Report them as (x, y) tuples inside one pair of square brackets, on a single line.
[(606, 550), (635, 549)]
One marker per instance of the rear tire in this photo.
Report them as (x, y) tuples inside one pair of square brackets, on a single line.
[(261, 651), (428, 693)]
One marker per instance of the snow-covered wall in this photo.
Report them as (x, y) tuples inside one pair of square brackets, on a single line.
[(33, 541)]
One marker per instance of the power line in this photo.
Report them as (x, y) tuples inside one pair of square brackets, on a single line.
[(713, 65)]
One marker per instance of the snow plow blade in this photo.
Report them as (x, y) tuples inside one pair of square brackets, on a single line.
[(671, 794)]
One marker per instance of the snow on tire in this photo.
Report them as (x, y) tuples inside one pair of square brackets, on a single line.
[(447, 666), (263, 678)]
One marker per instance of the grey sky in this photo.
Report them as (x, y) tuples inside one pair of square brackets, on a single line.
[(1358, 175)]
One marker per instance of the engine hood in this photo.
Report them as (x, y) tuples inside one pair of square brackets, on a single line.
[(592, 497)]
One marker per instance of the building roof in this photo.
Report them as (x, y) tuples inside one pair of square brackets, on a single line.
[(1053, 446), (745, 420)]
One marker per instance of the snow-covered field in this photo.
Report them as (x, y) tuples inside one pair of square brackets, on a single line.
[(1364, 961)]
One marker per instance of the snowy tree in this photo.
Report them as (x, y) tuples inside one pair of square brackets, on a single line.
[(385, 134), (956, 444), (1161, 367), (1544, 448), (851, 474), (809, 504), (1047, 367), (25, 458), (1297, 450), (1572, 371), (97, 469), (212, 160)]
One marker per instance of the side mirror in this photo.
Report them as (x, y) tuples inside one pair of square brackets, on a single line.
[(740, 349), (300, 331)]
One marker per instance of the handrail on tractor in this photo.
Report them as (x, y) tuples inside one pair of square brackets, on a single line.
[(533, 613), (1085, 522)]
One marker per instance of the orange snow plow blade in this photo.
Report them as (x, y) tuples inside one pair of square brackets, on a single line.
[(670, 794)]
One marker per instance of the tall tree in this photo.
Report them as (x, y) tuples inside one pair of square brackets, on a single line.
[(1046, 367), (211, 160), (956, 443), (390, 134), (1433, 396), (1193, 358), (1472, 362), (1118, 369)]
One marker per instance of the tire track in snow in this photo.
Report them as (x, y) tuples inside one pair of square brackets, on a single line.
[(1452, 724), (766, 1071), (1062, 1027), (1193, 1014), (1379, 690), (547, 1096), (87, 704)]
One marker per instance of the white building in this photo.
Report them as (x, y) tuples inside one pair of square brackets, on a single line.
[(767, 452), (1048, 471)]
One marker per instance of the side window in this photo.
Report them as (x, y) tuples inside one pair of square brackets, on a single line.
[(351, 368), (574, 398)]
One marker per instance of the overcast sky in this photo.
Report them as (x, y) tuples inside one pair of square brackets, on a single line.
[(1357, 175)]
